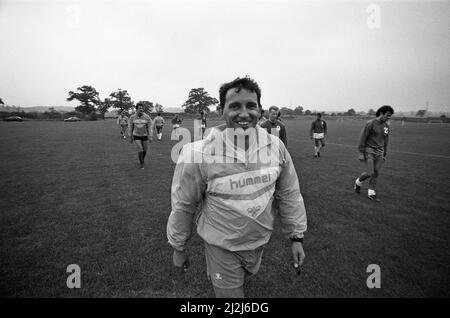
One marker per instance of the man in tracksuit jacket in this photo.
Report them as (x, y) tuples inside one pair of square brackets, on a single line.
[(237, 189), (372, 149)]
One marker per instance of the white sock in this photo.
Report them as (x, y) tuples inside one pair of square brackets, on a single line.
[(371, 192), (358, 183)]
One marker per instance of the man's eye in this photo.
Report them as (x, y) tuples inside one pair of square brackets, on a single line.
[(251, 106)]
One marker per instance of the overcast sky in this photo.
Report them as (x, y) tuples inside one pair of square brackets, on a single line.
[(329, 55)]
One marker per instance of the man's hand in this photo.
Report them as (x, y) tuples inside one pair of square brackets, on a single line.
[(150, 139), (181, 260), (298, 254), (361, 157)]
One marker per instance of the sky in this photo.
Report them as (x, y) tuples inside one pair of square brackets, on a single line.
[(321, 55)]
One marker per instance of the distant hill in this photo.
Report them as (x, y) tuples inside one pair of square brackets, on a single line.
[(37, 109)]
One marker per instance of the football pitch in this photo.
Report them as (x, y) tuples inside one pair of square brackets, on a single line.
[(72, 193)]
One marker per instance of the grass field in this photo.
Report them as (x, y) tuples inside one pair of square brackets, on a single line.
[(73, 193)]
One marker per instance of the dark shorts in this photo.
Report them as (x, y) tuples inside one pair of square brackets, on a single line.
[(141, 138), (159, 129), (374, 154)]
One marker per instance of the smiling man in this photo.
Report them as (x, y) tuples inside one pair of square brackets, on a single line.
[(236, 193)]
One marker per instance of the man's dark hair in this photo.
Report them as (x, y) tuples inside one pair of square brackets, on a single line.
[(319, 114), (159, 114), (384, 109), (239, 83)]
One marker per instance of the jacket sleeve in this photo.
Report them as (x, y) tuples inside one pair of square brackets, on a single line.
[(188, 187), (363, 138), (291, 207)]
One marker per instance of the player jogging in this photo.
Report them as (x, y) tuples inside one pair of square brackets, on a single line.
[(373, 149), (318, 132), (122, 121), (159, 123), (141, 128)]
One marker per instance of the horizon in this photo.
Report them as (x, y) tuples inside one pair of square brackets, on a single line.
[(332, 55)]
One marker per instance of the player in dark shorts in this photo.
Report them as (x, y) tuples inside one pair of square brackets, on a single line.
[(141, 129), (373, 149)]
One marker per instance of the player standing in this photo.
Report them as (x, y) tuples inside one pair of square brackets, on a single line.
[(122, 121), (140, 130), (317, 133), (373, 149), (159, 123), (274, 126)]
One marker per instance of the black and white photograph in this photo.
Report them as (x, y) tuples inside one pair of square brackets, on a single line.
[(201, 150)]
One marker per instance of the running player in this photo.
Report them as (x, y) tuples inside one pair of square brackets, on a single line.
[(140, 130), (274, 126), (122, 121), (373, 149), (159, 123), (317, 133)]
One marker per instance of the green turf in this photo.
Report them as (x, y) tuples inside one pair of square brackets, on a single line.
[(73, 193)]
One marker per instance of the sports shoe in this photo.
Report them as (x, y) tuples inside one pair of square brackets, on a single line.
[(357, 188), (373, 197)]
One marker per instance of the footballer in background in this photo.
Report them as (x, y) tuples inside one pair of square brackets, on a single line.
[(158, 122), (317, 132), (372, 148), (122, 121), (274, 126), (140, 130)]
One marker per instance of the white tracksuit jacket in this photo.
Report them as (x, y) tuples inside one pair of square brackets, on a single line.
[(237, 196)]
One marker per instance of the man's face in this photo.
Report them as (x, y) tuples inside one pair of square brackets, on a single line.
[(385, 117), (273, 115), (241, 109), (140, 110)]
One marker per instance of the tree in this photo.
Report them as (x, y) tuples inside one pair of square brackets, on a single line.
[(298, 110), (121, 100), (87, 96), (421, 112), (159, 108), (308, 112), (104, 106), (1, 101), (286, 111), (199, 100), (350, 112), (371, 112), (146, 105)]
